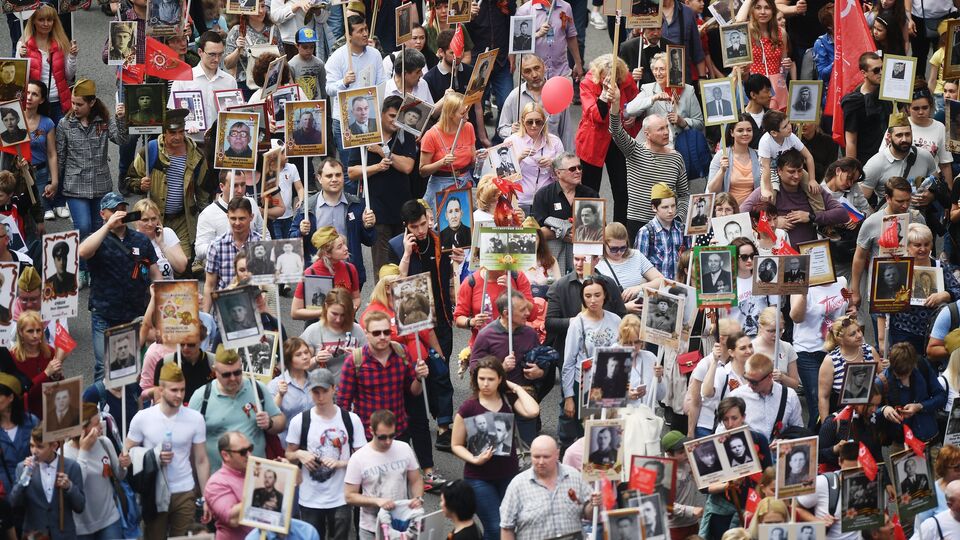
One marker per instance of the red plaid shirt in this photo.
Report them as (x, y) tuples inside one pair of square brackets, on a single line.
[(375, 386)]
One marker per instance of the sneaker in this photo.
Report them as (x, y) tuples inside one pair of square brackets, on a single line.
[(84, 279), (598, 20), (433, 482), (49, 215), (63, 212), (443, 441)]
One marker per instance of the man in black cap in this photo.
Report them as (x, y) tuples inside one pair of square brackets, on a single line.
[(62, 283), (177, 168)]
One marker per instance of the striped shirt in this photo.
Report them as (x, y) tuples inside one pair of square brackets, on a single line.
[(175, 171), (220, 256), (839, 363), (83, 154), (646, 168)]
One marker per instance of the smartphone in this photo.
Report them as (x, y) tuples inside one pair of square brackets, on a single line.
[(130, 217)]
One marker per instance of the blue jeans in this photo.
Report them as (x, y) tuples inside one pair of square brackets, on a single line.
[(99, 325), (110, 532), (42, 179), (899, 336), (436, 184), (280, 228), (808, 367), (489, 495), (701, 432), (86, 218)]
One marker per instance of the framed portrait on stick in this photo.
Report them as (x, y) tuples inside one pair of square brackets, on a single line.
[(927, 280), (14, 124), (13, 77), (698, 218), (260, 358), (603, 449), (236, 136), (797, 467), (508, 248), (897, 78), (458, 11), (413, 116), (482, 68), (913, 480), (676, 66), (227, 99), (315, 289), (268, 494), (236, 316), (622, 524), (360, 113), (521, 34), (722, 457), (821, 262), (413, 298), (589, 220), (454, 217), (891, 284), (61, 402), (650, 474), (718, 108), (406, 15), (857, 382), (61, 265), (735, 44), (804, 102), (952, 121), (644, 14), (191, 100), (178, 310), (662, 318), (121, 348), (862, 501), (713, 275), (122, 48), (611, 378), (166, 18), (243, 7), (278, 100), (951, 60)]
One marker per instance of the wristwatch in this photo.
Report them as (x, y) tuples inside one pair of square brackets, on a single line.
[(813, 217)]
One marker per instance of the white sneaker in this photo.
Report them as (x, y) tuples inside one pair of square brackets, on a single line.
[(49, 216), (598, 20), (63, 212)]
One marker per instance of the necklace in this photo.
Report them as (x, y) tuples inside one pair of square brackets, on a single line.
[(426, 246)]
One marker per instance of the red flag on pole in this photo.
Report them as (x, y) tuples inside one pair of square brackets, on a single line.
[(753, 499), (164, 63), (456, 44), (608, 493), (897, 528), (764, 228), (132, 74), (845, 414), (851, 39), (913, 442), (63, 340), (865, 459), (783, 247), (23, 149)]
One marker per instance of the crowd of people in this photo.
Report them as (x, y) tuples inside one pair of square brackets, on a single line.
[(696, 213)]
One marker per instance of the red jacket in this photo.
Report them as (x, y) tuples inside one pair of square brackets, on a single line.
[(58, 69), (593, 135)]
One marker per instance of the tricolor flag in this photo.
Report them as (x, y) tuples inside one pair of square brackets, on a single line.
[(855, 215)]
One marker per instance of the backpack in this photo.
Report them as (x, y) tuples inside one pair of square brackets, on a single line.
[(833, 490), (274, 448), (397, 349), (305, 427)]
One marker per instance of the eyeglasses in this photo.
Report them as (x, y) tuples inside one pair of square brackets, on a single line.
[(575, 168), (387, 436), (876, 70), (378, 333), (746, 256), (242, 451), (213, 54), (618, 249), (232, 374), (757, 382), (239, 134), (533, 122)]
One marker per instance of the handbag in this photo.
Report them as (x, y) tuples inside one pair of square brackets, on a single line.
[(126, 502), (687, 362)]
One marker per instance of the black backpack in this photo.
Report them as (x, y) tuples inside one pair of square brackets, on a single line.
[(305, 427)]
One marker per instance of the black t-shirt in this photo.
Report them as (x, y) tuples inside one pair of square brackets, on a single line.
[(469, 533), (867, 116), (388, 189), (549, 201)]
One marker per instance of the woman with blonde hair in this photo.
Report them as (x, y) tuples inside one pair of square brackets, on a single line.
[(770, 510), (844, 344), (332, 260), (32, 360), (679, 106), (784, 366), (645, 374), (446, 165), (170, 256), (593, 143), (46, 45), (535, 147), (628, 267), (770, 44)]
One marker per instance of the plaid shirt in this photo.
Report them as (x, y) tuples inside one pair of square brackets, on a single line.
[(375, 386), (535, 512), (82, 151), (662, 247), (220, 256)]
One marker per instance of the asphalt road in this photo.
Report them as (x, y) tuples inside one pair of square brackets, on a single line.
[(90, 31)]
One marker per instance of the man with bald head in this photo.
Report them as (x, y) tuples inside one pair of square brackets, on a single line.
[(534, 75), (947, 521), (548, 499)]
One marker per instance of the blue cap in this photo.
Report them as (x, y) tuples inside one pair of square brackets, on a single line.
[(111, 200), (306, 35)]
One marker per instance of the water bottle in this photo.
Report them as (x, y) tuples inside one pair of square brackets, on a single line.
[(167, 442), (27, 473), (927, 182)]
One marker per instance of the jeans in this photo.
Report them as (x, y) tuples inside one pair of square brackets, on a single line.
[(418, 429), (334, 28), (436, 184), (331, 523), (439, 388), (280, 227), (489, 495), (86, 218), (110, 532), (808, 367), (42, 179), (899, 336), (99, 325), (701, 432)]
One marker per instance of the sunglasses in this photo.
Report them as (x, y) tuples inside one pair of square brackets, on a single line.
[(533, 123), (575, 168), (876, 70), (387, 436), (378, 333), (618, 249), (757, 382), (232, 374), (746, 256), (242, 451)]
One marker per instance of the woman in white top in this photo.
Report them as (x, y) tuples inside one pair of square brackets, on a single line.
[(647, 386), (678, 105), (629, 269), (593, 327), (700, 408), (785, 366), (749, 305), (721, 380), (335, 335), (170, 256), (929, 134)]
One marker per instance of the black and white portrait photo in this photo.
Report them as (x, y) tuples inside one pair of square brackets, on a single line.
[(775, 531), (14, 126), (914, 483), (698, 218), (664, 469), (122, 350), (610, 378), (706, 459), (279, 99), (898, 70), (413, 298), (237, 316), (604, 445), (794, 271), (145, 106), (165, 17), (503, 433), (623, 524), (953, 424), (804, 101), (862, 501), (191, 100), (260, 261), (653, 517), (737, 450), (663, 314), (480, 433), (454, 214), (767, 269), (406, 15), (676, 66), (413, 115), (226, 99), (360, 112), (123, 43), (736, 44), (589, 220), (259, 359), (60, 269), (61, 402), (797, 467), (315, 289), (502, 161), (288, 267), (715, 275), (728, 228), (897, 78), (912, 475), (718, 101), (521, 34), (857, 381), (723, 457), (927, 280)]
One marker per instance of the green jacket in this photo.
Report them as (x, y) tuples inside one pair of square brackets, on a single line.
[(195, 197)]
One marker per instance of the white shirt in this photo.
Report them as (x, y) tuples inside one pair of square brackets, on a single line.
[(421, 92), (170, 238), (825, 303), (207, 86), (289, 175), (149, 428), (820, 502), (48, 477), (948, 524), (762, 410), (323, 488)]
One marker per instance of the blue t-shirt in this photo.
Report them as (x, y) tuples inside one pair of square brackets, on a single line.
[(941, 327), (38, 141)]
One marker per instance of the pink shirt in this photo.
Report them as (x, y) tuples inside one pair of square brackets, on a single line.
[(573, 457), (224, 490), (552, 49), (153, 356)]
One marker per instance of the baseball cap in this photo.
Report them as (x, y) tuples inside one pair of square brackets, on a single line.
[(321, 377), (111, 200), (673, 441)]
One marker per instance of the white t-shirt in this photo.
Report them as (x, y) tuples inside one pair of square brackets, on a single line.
[(380, 474), (824, 305), (949, 526), (289, 176), (933, 139), (627, 272), (787, 355), (708, 406), (820, 502), (148, 429), (169, 238), (323, 488), (768, 148), (749, 306)]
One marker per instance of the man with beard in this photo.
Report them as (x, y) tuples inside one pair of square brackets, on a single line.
[(533, 73), (455, 234), (480, 441), (259, 264), (321, 440), (898, 158)]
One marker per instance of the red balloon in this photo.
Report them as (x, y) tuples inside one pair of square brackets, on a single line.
[(557, 94)]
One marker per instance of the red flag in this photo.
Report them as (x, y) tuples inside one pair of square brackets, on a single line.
[(852, 38), (763, 226), (23, 149), (889, 238), (132, 74), (914, 443), (456, 44), (164, 63), (897, 528), (62, 339), (865, 459), (643, 480), (753, 499), (783, 247), (845, 414), (608, 493)]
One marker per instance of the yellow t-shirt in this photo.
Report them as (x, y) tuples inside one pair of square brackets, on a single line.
[(937, 61)]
